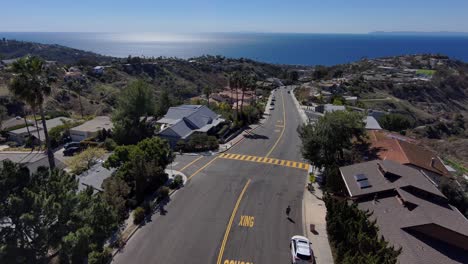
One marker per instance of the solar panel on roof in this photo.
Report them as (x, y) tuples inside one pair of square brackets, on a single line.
[(360, 177), (364, 184)]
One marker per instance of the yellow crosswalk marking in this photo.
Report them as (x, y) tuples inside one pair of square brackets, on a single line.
[(285, 163)]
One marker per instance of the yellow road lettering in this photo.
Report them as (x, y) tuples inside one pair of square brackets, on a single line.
[(227, 261), (247, 221)]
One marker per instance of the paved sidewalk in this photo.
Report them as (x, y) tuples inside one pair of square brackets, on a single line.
[(314, 212)]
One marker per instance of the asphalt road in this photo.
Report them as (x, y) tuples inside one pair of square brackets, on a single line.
[(232, 210)]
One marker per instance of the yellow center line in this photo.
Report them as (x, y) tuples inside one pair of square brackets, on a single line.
[(282, 130), (206, 165), (186, 166), (228, 228)]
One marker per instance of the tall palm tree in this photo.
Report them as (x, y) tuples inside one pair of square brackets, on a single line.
[(77, 85), (31, 85)]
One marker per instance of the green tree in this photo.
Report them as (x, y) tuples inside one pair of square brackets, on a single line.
[(164, 103), (39, 209), (207, 91), (92, 223), (142, 165), (85, 160), (326, 142), (135, 104), (31, 84), (395, 122), (354, 237), (78, 85), (116, 191), (3, 115), (98, 257)]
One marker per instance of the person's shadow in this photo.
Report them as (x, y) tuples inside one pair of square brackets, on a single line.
[(290, 220)]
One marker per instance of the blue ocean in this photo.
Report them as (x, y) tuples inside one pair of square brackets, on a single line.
[(300, 49)]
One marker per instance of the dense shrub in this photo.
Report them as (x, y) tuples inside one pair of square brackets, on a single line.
[(163, 193), (109, 144), (199, 142), (177, 182), (395, 122), (96, 257), (138, 215)]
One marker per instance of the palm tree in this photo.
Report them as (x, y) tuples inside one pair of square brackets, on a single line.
[(77, 86), (207, 92), (31, 85)]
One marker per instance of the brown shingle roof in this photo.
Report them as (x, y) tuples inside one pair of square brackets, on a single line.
[(410, 211), (404, 151)]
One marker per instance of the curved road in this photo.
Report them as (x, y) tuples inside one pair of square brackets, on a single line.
[(232, 209)]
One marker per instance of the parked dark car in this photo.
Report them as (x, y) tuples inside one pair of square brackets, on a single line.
[(72, 144), (71, 151)]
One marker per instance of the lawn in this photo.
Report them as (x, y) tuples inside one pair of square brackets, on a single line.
[(425, 72)]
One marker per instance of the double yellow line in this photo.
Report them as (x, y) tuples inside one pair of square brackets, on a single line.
[(228, 228), (282, 130)]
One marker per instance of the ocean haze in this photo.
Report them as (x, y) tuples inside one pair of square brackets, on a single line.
[(280, 48)]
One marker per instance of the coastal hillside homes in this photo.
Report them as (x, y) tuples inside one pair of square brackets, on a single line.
[(73, 73), (91, 128), (98, 70), (389, 146), (181, 122), (31, 160), (20, 135), (231, 97), (410, 212)]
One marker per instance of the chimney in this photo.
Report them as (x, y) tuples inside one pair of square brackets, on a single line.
[(432, 162)]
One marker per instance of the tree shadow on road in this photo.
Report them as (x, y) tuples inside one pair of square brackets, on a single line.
[(255, 136)]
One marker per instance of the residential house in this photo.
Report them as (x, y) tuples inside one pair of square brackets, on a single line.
[(91, 128), (372, 123), (181, 122), (411, 213), (390, 146), (98, 70), (94, 177), (31, 160), (328, 108), (14, 122), (73, 73), (231, 97), (20, 135)]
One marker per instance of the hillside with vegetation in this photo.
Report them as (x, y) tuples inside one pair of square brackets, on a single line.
[(423, 96), (75, 78)]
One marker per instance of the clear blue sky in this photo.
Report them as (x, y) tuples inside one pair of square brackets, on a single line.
[(320, 16)]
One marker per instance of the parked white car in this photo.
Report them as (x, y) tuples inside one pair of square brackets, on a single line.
[(301, 251)]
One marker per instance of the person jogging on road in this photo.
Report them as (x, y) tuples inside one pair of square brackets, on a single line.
[(288, 210)]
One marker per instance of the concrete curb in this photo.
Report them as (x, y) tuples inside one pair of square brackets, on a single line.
[(242, 134), (299, 108)]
